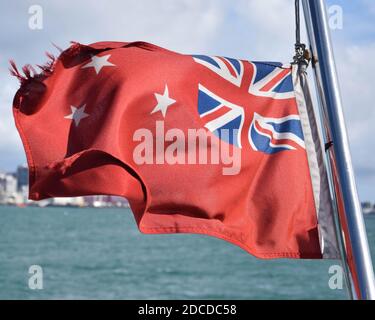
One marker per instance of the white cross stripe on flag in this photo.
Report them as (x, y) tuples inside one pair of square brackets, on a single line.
[(229, 69), (219, 122), (264, 123), (266, 85)]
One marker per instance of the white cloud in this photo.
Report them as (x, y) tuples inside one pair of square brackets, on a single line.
[(11, 150), (370, 6), (356, 69), (7, 91), (271, 27), (181, 25)]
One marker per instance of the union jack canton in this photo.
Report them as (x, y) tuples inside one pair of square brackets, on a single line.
[(255, 99)]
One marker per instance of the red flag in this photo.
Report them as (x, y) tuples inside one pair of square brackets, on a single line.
[(197, 144)]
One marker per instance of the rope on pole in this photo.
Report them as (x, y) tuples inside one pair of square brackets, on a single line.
[(302, 55)]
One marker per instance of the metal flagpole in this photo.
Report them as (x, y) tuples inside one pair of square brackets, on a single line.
[(357, 254)]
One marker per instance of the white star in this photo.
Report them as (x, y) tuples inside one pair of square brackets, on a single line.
[(164, 101), (77, 114), (98, 63)]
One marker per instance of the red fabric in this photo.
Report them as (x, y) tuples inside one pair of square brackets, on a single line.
[(267, 209)]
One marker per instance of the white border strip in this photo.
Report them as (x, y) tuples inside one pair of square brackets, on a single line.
[(319, 179)]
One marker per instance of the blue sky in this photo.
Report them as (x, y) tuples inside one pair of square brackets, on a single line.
[(247, 29)]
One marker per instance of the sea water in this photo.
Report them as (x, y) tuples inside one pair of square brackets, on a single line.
[(100, 254)]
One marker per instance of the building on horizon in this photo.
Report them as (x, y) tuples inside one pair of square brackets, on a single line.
[(8, 184), (14, 190), (22, 176), (8, 188)]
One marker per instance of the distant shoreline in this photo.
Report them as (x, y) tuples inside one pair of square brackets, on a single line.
[(62, 206)]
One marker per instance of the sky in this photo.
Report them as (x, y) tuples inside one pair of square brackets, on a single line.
[(246, 29)]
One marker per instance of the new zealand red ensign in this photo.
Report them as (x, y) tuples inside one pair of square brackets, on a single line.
[(196, 143)]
